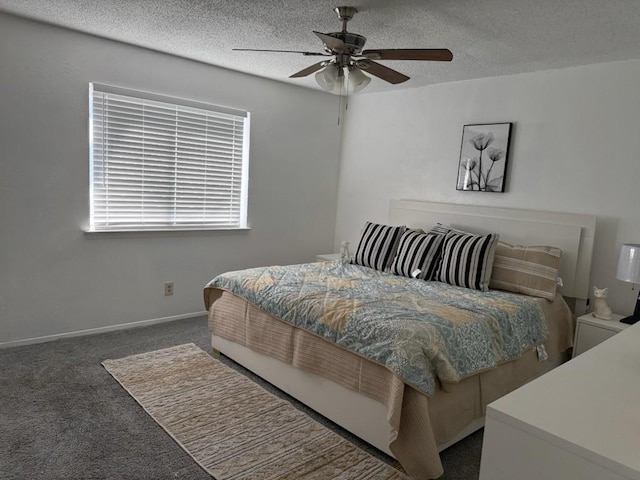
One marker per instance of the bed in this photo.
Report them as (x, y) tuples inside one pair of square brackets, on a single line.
[(407, 416)]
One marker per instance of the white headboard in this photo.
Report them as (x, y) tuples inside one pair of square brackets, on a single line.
[(573, 233)]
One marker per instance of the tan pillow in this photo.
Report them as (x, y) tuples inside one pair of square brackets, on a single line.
[(529, 270)]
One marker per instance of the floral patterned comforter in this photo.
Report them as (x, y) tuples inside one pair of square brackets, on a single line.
[(420, 330)]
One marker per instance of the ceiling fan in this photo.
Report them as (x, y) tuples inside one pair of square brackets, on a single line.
[(348, 56)]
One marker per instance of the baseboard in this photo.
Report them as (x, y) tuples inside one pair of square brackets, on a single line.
[(110, 328)]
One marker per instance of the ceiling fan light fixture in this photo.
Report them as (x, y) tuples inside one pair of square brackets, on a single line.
[(326, 77), (357, 79)]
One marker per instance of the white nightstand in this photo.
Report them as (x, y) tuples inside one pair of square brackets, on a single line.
[(328, 257), (590, 331)]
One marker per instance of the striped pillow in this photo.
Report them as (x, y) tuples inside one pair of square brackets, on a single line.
[(440, 229), (529, 270), (417, 250), (467, 260), (377, 245)]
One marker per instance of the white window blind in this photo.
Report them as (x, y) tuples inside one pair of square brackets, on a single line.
[(159, 163)]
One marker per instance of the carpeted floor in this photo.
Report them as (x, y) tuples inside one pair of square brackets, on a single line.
[(62, 416)]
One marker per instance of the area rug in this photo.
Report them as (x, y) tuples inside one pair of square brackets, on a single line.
[(232, 427)]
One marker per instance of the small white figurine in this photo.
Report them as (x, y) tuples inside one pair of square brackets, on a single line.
[(600, 308), (345, 256)]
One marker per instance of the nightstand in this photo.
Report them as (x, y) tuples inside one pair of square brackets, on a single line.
[(590, 331), (328, 257)]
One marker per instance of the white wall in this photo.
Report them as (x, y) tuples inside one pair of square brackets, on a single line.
[(53, 278), (575, 147)]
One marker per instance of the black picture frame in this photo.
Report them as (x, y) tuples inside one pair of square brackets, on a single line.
[(484, 154)]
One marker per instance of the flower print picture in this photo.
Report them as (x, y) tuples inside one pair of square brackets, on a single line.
[(483, 157)]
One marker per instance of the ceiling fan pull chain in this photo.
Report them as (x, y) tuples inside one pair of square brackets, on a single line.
[(346, 91)]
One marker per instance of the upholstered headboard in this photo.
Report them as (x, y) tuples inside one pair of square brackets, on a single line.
[(573, 233)]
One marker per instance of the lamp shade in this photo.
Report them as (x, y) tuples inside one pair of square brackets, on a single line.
[(326, 77), (629, 263), (357, 79)]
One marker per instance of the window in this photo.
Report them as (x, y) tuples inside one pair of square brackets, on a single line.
[(159, 163)]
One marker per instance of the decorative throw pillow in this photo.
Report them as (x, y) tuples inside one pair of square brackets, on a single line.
[(467, 260), (417, 251), (440, 229), (377, 245), (529, 270)]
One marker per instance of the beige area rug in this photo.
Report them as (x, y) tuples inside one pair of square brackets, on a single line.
[(232, 427)]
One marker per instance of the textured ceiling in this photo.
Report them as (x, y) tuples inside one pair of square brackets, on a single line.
[(487, 37)]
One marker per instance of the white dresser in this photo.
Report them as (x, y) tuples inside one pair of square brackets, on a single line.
[(579, 421)]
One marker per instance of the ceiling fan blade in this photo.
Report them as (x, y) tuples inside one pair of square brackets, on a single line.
[(309, 70), (334, 44), (385, 73), (282, 51), (431, 54)]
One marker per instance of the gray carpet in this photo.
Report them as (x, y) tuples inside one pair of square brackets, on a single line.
[(62, 416)]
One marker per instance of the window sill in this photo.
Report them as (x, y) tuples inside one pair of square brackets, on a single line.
[(188, 232)]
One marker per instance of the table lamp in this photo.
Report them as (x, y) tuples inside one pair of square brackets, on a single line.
[(629, 271)]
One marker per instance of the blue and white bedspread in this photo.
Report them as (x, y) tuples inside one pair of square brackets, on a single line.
[(420, 330)]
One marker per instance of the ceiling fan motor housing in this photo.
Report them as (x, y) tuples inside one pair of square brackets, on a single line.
[(353, 42)]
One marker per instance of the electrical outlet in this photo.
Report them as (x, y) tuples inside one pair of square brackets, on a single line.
[(168, 289)]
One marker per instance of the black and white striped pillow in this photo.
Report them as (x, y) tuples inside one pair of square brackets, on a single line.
[(377, 245), (440, 229), (417, 251), (467, 260)]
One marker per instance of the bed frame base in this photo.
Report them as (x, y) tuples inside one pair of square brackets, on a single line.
[(362, 416)]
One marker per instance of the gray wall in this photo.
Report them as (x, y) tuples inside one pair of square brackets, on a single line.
[(54, 279)]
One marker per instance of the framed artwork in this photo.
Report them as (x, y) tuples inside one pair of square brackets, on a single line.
[(482, 166)]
